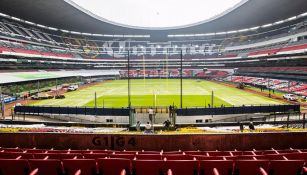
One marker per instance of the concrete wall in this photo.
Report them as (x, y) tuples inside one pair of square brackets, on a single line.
[(240, 141)]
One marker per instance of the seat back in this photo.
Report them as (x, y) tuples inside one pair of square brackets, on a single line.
[(14, 167), (14, 155), (46, 167), (249, 167), (149, 167), (177, 157), (149, 157), (123, 156), (297, 156), (36, 150), (251, 157), (57, 155), (95, 155), (285, 167), (113, 165), (224, 167), (183, 167), (219, 153), (149, 152), (274, 156), (200, 157), (87, 166), (12, 149)]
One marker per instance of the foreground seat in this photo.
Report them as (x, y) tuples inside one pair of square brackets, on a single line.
[(223, 167), (57, 155), (87, 166), (285, 167), (177, 157), (95, 155), (149, 167), (148, 157), (250, 167), (14, 155), (113, 166), (182, 167), (14, 167), (46, 167), (123, 156)]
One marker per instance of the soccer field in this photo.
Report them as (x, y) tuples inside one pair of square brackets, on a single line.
[(158, 92)]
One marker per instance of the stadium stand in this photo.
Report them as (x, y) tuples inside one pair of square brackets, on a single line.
[(281, 162)]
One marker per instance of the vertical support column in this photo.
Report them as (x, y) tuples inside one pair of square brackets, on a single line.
[(212, 99), (131, 113), (95, 100), (129, 90), (304, 120), (56, 86), (288, 119), (38, 87), (2, 103), (181, 79)]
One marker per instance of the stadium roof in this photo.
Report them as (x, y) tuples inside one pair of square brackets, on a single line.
[(61, 14)]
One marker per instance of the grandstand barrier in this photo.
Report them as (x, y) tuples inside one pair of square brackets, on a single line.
[(153, 142), (38, 110), (239, 110)]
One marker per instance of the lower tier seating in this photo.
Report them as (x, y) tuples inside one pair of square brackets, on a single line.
[(17, 161)]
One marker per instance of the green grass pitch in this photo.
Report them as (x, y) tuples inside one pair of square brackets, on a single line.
[(159, 92)]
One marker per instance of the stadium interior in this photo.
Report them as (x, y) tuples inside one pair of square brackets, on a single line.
[(83, 95)]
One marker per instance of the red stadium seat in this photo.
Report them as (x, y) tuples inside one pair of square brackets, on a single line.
[(95, 155), (172, 152), (149, 157), (87, 166), (12, 150), (57, 151), (224, 167), (219, 153), (100, 151), (251, 157), (149, 167), (250, 167), (57, 155), (275, 156), (79, 151), (14, 155), (203, 153), (14, 167), (35, 151), (113, 166), (269, 152), (286, 167), (177, 157), (123, 156), (46, 167), (297, 156), (199, 157), (182, 167), (149, 152)]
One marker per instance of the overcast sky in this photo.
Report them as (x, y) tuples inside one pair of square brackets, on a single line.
[(156, 13)]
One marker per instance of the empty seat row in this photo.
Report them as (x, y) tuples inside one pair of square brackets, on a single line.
[(112, 166), (131, 156), (208, 153)]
